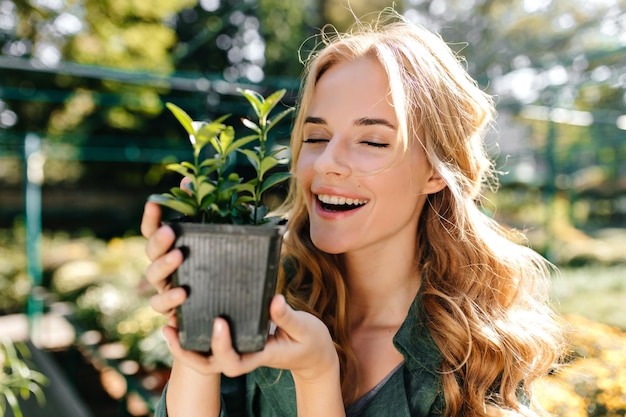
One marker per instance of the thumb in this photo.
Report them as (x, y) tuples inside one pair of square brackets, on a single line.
[(286, 318), (185, 184)]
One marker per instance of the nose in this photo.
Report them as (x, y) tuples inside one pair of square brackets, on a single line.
[(333, 159)]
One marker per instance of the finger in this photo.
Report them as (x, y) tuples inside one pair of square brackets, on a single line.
[(195, 360), (273, 354), (287, 320), (171, 336), (225, 359), (151, 219), (160, 242), (172, 320), (228, 360), (184, 184), (166, 302), (158, 272)]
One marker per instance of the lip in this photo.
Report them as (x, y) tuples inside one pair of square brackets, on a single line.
[(335, 199), (335, 191), (334, 215)]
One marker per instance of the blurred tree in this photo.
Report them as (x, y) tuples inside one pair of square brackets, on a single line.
[(96, 72), (341, 14), (110, 33), (522, 49), (285, 27), (558, 67), (91, 77)]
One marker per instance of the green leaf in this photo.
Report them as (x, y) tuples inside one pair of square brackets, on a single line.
[(274, 179), (271, 102), (209, 132), (196, 182), (167, 200), (183, 118), (255, 99), (241, 142), (267, 164), (243, 199), (188, 165), (191, 167), (207, 201), (247, 187), (40, 396), (279, 149), (234, 177), (13, 403), (180, 169), (223, 211), (226, 138), (251, 125), (180, 193), (279, 117), (253, 157), (210, 163), (204, 189)]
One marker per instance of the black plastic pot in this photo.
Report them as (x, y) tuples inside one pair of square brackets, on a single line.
[(229, 271)]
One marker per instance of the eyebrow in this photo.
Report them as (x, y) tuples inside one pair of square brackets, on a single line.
[(363, 121)]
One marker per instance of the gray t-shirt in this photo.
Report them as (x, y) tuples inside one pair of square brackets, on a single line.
[(354, 410)]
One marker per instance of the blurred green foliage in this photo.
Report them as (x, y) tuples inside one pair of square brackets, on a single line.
[(14, 282), (91, 78), (18, 379)]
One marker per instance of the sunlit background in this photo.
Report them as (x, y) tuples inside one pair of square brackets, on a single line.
[(84, 138)]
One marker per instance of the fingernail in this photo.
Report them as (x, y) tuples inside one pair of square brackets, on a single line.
[(176, 293), (218, 327), (171, 257)]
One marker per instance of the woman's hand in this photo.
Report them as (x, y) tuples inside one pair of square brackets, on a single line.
[(301, 344), (164, 261), (189, 393)]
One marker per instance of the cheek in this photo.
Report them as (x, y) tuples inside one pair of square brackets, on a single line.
[(302, 176), (401, 190), (303, 167)]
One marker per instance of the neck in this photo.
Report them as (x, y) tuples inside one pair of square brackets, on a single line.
[(382, 286)]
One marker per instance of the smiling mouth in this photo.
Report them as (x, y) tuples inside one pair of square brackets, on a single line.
[(337, 203)]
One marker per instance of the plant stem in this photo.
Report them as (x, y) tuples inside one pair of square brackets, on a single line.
[(259, 183)]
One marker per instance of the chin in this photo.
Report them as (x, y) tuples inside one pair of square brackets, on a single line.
[(328, 246)]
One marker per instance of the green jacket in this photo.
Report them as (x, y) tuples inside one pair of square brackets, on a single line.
[(414, 391)]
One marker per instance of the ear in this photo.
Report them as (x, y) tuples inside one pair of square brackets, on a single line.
[(434, 184)]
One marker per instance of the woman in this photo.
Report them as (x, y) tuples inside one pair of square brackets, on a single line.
[(399, 297)]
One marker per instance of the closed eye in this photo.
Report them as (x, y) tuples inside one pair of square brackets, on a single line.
[(314, 140), (375, 144)]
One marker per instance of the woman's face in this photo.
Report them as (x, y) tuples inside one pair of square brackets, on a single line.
[(360, 188)]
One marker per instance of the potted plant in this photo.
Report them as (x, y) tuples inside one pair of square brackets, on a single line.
[(231, 248)]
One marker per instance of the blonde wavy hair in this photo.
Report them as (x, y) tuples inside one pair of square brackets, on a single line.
[(483, 292)]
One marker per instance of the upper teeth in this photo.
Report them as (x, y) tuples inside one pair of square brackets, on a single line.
[(338, 200)]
